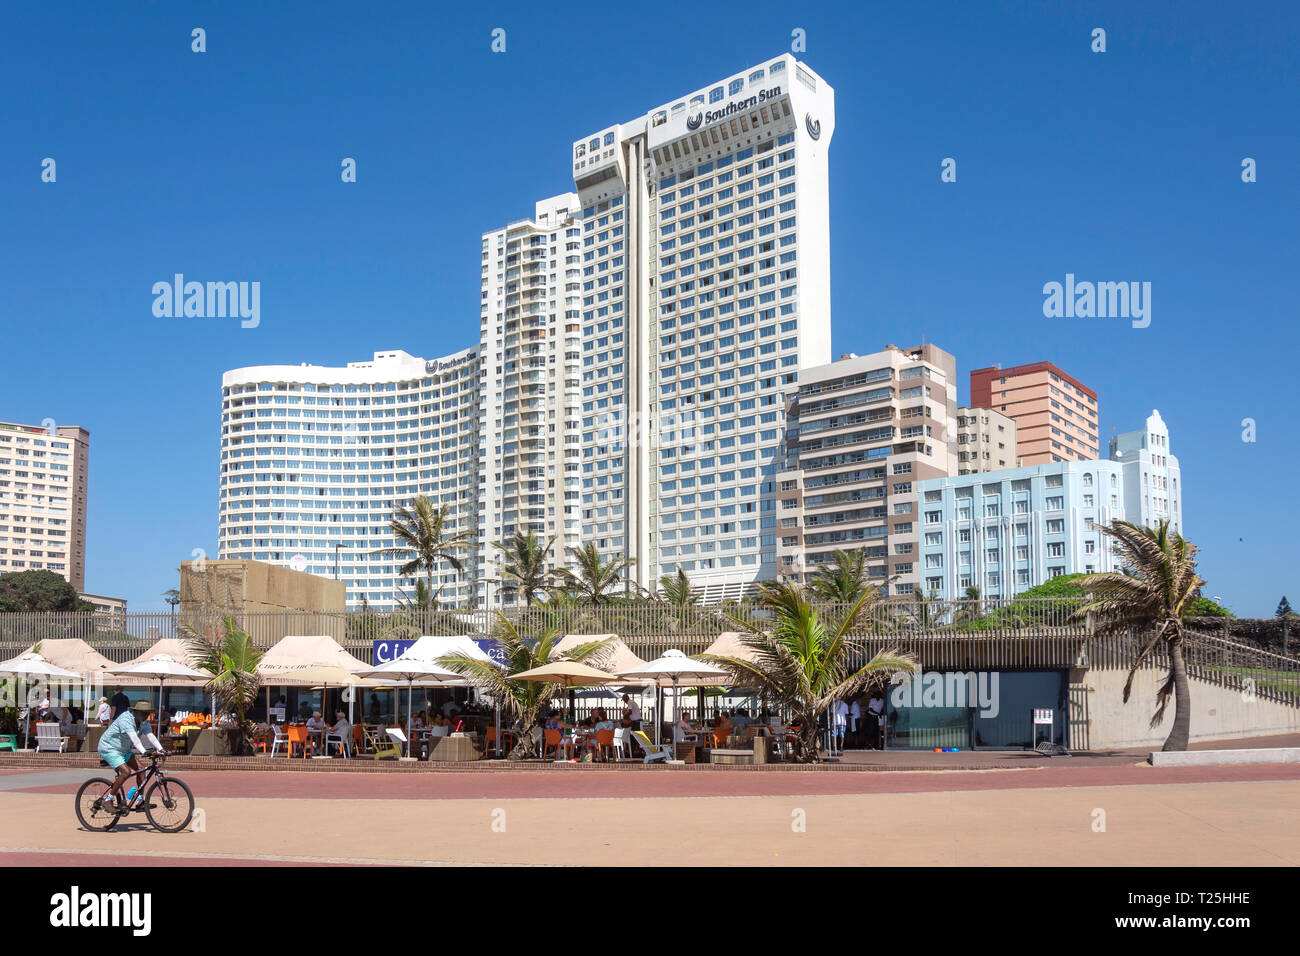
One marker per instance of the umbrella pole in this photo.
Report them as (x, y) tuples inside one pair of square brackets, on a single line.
[(409, 685)]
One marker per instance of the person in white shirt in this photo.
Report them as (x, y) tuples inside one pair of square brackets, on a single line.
[(632, 712), (875, 720), (341, 729), (840, 715), (104, 713), (855, 715), (314, 722)]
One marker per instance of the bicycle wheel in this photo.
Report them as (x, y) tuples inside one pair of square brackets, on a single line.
[(90, 805), (169, 805)]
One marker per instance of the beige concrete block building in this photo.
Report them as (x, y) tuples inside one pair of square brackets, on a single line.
[(260, 595), (861, 433), (43, 481), (986, 441)]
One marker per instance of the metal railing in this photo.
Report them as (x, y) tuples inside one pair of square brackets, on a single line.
[(1013, 634)]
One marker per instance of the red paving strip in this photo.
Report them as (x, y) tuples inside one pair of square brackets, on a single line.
[(127, 859), (521, 785)]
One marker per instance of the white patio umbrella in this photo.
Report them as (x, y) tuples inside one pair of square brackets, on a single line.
[(161, 666), (674, 669), (412, 669), (33, 665)]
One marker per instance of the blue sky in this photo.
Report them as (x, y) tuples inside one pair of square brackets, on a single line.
[(224, 165)]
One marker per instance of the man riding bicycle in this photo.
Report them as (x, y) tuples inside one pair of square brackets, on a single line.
[(118, 743)]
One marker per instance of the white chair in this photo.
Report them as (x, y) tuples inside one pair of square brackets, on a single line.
[(344, 743), (281, 739), (653, 751), (622, 742), (48, 738)]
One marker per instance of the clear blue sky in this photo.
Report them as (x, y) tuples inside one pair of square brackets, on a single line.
[(225, 165)]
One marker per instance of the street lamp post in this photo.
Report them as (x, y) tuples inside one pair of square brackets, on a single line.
[(337, 546)]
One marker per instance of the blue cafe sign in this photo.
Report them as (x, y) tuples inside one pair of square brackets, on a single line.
[(385, 651)]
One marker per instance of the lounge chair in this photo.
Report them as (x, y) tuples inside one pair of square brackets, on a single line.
[(48, 738), (9, 742), (653, 751), (382, 747)]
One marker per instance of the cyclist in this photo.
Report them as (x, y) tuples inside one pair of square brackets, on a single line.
[(117, 743)]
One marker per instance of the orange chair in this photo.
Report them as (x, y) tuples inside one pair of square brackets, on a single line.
[(719, 736), (604, 742), (298, 736), (262, 741), (507, 738), (358, 739), (555, 740)]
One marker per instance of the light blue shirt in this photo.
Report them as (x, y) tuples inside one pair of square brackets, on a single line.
[(117, 738)]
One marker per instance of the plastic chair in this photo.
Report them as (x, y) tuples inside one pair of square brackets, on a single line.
[(298, 737), (358, 740), (279, 739), (604, 742), (9, 742), (623, 742), (653, 751), (556, 740)]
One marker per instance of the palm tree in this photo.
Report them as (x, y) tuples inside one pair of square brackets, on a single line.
[(596, 581), (1151, 596), (803, 662), (227, 653), (422, 529), (843, 580), (520, 700), (676, 590), (526, 563), (971, 608)]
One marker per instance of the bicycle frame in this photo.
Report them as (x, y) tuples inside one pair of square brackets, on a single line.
[(145, 774)]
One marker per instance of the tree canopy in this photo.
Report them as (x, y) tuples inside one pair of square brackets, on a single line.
[(39, 591)]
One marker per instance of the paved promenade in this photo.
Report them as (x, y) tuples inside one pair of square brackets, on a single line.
[(1056, 813)]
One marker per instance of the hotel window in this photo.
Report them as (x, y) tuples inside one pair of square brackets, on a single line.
[(1055, 503), (735, 86), (1089, 547), (715, 94), (1022, 552), (1056, 526), (963, 534), (1056, 549), (933, 517), (1087, 501)]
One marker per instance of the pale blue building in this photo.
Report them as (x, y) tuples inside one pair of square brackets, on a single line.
[(1009, 530)]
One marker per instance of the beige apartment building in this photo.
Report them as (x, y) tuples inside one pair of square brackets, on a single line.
[(1055, 413), (861, 433), (43, 500), (986, 441)]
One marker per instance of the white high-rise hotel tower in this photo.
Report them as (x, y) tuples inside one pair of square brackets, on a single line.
[(706, 285), (638, 342)]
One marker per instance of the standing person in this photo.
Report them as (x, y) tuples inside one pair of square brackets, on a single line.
[(105, 713), (119, 704), (855, 715), (633, 711), (840, 719), (875, 720)]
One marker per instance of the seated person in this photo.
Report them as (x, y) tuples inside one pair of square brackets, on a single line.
[(741, 721), (684, 731), (314, 722), (722, 727), (341, 729), (441, 727)]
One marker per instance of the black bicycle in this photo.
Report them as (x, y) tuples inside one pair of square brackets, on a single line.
[(166, 801)]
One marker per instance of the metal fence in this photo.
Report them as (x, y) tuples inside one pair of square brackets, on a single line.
[(1013, 634)]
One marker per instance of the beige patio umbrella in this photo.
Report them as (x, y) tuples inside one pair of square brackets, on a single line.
[(74, 654), (290, 663), (567, 674), (163, 667), (674, 669), (32, 664)]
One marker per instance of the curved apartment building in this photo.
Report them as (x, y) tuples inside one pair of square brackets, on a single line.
[(314, 459)]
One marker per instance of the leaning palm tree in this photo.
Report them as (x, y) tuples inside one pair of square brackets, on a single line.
[(1150, 597), (526, 563), (421, 530), (227, 653), (595, 581), (520, 700), (803, 662)]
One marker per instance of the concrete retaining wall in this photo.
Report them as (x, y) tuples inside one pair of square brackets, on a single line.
[(1218, 713)]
